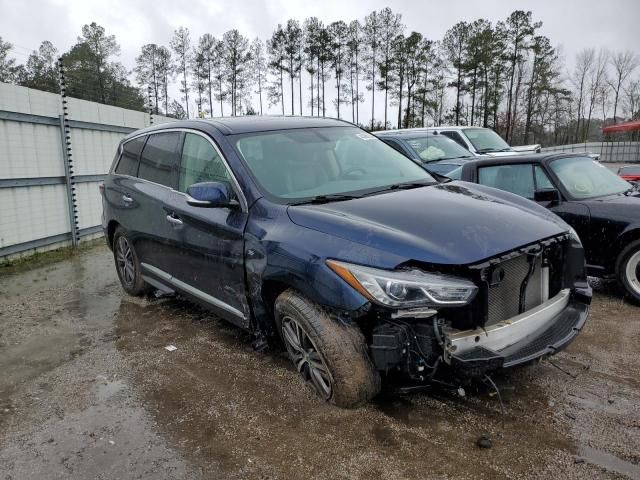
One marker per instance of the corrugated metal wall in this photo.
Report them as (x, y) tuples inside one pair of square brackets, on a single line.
[(34, 209)]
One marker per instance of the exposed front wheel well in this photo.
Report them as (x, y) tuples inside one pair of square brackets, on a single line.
[(271, 289), (111, 230)]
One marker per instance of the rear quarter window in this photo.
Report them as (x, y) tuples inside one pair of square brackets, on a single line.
[(128, 163)]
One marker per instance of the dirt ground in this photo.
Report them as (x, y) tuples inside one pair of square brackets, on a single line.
[(87, 390)]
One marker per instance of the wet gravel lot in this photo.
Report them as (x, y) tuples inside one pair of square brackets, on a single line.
[(87, 390)]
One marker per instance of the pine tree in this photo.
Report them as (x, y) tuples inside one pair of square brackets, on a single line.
[(181, 45)]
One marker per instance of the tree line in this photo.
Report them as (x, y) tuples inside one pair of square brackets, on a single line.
[(506, 76)]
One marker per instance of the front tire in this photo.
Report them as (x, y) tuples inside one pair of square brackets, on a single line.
[(628, 270), (128, 265), (331, 356)]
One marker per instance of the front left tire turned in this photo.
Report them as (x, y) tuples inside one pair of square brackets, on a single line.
[(330, 355)]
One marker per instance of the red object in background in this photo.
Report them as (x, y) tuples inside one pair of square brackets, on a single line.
[(630, 173), (622, 127), (631, 178)]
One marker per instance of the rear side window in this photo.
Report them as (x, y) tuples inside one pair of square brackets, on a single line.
[(516, 179), (128, 164), (160, 158), (200, 163)]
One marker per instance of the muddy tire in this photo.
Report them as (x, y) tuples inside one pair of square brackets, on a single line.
[(330, 355), (128, 265), (628, 270)]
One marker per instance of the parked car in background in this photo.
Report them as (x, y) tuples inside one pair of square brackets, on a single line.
[(600, 206), (482, 141), (363, 264), (630, 173), (437, 153)]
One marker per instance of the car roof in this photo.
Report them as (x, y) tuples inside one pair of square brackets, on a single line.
[(403, 132), (249, 124), (526, 158), (457, 127)]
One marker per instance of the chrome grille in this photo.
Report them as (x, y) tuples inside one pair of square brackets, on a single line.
[(503, 300)]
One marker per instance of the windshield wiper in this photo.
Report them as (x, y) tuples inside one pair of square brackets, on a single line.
[(402, 186), (487, 150), (334, 197)]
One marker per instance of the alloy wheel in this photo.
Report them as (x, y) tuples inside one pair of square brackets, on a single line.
[(124, 261), (632, 272), (306, 357)]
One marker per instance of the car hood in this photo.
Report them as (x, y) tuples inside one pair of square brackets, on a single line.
[(456, 223), (616, 207)]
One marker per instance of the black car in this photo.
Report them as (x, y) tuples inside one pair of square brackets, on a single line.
[(602, 208), (437, 153), (307, 229)]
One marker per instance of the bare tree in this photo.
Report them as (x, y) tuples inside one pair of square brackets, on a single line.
[(597, 79), (623, 64), (579, 78)]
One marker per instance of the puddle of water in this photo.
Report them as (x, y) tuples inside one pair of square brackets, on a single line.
[(107, 389), (609, 462)]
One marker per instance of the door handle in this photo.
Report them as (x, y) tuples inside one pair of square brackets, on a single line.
[(174, 220), (127, 199)]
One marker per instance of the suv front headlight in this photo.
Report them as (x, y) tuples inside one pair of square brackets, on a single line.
[(405, 288)]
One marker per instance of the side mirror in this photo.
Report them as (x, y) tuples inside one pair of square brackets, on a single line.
[(209, 194), (548, 195)]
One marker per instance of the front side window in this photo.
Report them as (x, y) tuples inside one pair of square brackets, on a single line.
[(542, 180), (516, 179), (159, 160), (485, 140), (431, 148), (304, 163), (200, 163), (583, 178), (128, 164)]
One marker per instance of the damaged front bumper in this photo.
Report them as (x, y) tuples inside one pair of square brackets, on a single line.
[(421, 348), (539, 332)]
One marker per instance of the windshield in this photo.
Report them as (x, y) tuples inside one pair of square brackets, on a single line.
[(304, 163), (585, 178), (437, 147), (486, 140)]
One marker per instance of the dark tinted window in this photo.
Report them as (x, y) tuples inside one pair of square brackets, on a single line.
[(200, 163), (128, 164), (455, 136), (393, 143), (159, 161)]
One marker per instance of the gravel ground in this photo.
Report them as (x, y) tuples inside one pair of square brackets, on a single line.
[(87, 390)]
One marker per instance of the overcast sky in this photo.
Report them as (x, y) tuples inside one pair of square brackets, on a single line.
[(572, 24)]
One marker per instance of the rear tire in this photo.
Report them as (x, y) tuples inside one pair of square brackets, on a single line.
[(628, 270), (128, 265), (330, 355)]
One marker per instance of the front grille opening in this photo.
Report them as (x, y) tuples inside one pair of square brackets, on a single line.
[(523, 282)]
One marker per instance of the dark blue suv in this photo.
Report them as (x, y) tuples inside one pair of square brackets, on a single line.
[(317, 233)]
